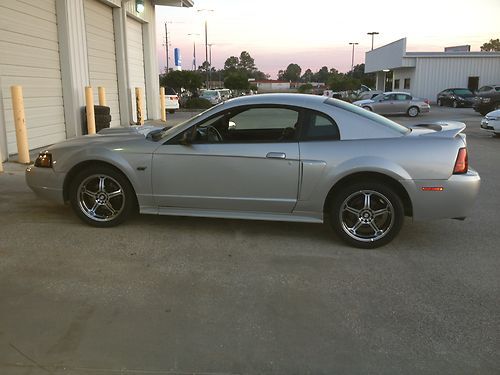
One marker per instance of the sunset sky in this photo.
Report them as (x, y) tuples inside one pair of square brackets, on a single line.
[(317, 32)]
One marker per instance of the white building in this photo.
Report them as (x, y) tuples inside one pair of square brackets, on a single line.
[(54, 48), (425, 74)]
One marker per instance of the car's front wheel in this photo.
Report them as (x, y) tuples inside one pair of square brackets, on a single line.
[(367, 214), (455, 104), (439, 103), (101, 196), (413, 111)]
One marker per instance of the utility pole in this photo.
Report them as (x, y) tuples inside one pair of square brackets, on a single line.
[(166, 48), (210, 60), (352, 60), (206, 44), (373, 33), (194, 48)]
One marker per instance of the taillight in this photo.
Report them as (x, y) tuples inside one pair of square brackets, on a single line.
[(462, 162)]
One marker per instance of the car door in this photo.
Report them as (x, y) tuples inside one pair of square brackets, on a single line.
[(384, 106), (401, 103), (241, 160)]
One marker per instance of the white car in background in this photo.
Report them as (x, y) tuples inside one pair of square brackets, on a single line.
[(171, 100), (213, 96), (491, 122)]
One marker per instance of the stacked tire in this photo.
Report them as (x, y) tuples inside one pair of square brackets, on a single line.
[(102, 117)]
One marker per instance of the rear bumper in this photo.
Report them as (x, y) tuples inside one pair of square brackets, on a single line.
[(455, 200), (46, 183)]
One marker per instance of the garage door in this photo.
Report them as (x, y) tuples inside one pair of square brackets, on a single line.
[(30, 58), (135, 50), (101, 54)]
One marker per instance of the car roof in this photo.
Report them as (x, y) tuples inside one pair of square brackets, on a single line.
[(397, 92), (300, 100)]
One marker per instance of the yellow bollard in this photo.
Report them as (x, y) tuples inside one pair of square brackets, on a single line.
[(102, 95), (139, 106), (23, 153), (89, 101), (162, 104)]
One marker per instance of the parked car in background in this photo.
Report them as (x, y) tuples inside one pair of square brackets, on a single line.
[(456, 97), (171, 100), (225, 94), (285, 157), (491, 122), (391, 103), (213, 96), (488, 99), (332, 94)]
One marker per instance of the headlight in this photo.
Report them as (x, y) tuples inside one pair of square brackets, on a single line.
[(44, 160)]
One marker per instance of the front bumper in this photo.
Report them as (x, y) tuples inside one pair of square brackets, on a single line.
[(455, 200), (490, 125), (46, 183)]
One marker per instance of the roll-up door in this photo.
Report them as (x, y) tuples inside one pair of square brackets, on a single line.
[(135, 51), (101, 54), (30, 58)]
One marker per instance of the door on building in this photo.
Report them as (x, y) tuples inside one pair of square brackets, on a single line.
[(100, 34), (473, 83), (135, 49), (388, 81), (30, 58)]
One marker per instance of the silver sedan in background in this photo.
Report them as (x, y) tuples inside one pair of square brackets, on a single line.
[(284, 157), (394, 103)]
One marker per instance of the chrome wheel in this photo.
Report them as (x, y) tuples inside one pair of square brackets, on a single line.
[(366, 215), (100, 198)]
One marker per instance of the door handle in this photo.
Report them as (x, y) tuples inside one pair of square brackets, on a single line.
[(276, 155)]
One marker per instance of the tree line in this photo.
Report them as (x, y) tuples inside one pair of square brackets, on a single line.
[(239, 69)]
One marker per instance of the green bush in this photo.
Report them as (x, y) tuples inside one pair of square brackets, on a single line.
[(198, 103)]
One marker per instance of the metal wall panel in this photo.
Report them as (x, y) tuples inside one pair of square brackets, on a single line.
[(101, 54), (29, 39), (434, 74)]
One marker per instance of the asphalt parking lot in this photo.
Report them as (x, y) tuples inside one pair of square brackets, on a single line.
[(173, 295)]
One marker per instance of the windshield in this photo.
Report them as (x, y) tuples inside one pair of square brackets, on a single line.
[(209, 93), (168, 131), (378, 97), (369, 115), (463, 92)]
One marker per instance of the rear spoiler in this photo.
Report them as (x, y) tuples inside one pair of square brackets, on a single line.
[(442, 129)]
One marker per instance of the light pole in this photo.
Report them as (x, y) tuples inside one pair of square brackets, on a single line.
[(352, 60), (373, 33), (194, 35), (210, 60), (206, 42), (167, 57)]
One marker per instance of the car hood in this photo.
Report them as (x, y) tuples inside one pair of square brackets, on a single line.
[(107, 137), (495, 113), (365, 101)]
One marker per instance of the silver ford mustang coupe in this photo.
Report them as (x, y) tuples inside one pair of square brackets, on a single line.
[(286, 157)]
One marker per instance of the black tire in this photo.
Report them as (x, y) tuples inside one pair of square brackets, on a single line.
[(102, 119), (101, 110), (411, 111), (439, 103), (384, 212), (94, 186), (172, 111), (454, 104), (367, 108)]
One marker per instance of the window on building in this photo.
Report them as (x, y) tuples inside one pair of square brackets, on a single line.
[(396, 84), (407, 83)]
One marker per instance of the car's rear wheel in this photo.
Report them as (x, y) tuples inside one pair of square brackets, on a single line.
[(439, 103), (101, 196), (367, 214), (413, 111), (171, 111), (367, 108)]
